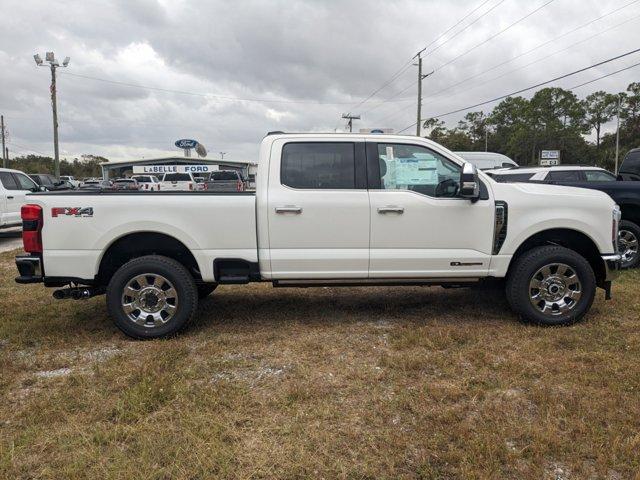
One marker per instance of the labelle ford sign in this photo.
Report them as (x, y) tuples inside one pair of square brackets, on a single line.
[(159, 169)]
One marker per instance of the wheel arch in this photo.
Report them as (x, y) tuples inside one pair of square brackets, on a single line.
[(138, 244), (574, 240)]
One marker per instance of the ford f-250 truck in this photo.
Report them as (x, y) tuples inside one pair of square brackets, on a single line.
[(330, 209)]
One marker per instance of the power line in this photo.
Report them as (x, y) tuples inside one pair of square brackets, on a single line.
[(205, 95), (467, 26), (605, 76), (495, 35), (540, 46), (590, 37), (470, 50), (531, 87), (439, 92), (407, 64)]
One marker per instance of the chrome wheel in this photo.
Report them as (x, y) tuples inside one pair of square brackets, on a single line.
[(555, 289), (628, 244), (149, 300)]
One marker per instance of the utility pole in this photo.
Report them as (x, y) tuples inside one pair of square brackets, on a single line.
[(4, 156), (53, 64), (486, 137), (420, 78), (222, 154), (351, 118), (617, 135)]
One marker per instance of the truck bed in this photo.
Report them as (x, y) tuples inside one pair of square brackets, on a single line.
[(210, 224)]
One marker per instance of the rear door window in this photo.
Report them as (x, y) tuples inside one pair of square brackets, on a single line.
[(318, 165), (224, 176), (599, 176), (565, 176), (24, 182), (177, 177)]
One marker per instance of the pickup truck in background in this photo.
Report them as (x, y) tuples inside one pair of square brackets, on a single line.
[(178, 182), (14, 186), (224, 181), (625, 193), (329, 210)]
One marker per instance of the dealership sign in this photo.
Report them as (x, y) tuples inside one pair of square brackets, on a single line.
[(549, 158), (186, 143), (158, 169)]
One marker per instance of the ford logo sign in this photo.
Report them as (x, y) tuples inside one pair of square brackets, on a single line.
[(186, 143)]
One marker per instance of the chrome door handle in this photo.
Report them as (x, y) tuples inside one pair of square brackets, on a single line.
[(391, 209), (289, 209)]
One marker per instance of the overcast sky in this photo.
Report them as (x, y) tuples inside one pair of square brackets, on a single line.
[(246, 67)]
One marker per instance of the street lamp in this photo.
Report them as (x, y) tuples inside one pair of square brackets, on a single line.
[(53, 65)]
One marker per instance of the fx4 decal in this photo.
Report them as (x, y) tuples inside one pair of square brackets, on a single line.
[(72, 211)]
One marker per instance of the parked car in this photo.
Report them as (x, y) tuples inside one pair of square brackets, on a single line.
[(71, 180), (329, 210), (225, 181), (625, 193), (126, 184), (148, 182), (488, 160), (97, 185), (49, 182), (14, 186), (630, 167), (178, 182), (564, 173)]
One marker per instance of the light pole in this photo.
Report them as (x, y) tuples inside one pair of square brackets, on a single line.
[(53, 64)]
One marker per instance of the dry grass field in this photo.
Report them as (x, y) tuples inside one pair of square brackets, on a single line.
[(320, 383)]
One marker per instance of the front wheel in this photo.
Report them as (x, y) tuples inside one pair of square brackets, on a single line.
[(151, 297), (551, 285)]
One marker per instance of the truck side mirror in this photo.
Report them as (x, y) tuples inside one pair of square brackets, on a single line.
[(469, 182)]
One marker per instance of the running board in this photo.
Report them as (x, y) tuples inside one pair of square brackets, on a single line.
[(380, 282)]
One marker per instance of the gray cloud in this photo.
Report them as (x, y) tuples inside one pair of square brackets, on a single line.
[(295, 51)]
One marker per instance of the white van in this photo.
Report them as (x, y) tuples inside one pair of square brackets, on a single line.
[(487, 160)]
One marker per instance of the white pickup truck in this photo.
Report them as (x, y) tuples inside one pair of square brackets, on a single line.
[(330, 209)]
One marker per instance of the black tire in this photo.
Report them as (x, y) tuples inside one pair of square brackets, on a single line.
[(521, 294), (183, 294), (629, 242), (205, 289)]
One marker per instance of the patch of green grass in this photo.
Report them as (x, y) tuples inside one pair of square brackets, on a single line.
[(335, 383)]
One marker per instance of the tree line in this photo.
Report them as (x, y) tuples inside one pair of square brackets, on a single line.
[(83, 167), (553, 119)]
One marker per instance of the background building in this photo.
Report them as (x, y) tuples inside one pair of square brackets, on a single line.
[(124, 168)]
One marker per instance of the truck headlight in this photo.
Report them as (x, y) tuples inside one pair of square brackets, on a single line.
[(615, 224)]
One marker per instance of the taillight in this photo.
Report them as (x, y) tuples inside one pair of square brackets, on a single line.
[(239, 185), (32, 228), (190, 186)]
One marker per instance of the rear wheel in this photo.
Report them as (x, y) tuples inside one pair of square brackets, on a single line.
[(551, 286), (152, 297), (628, 239)]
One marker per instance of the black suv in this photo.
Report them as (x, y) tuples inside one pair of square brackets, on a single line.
[(630, 168), (50, 182)]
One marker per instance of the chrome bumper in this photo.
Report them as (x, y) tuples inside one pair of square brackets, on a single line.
[(612, 267)]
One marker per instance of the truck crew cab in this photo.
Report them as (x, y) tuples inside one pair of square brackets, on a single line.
[(330, 209)]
